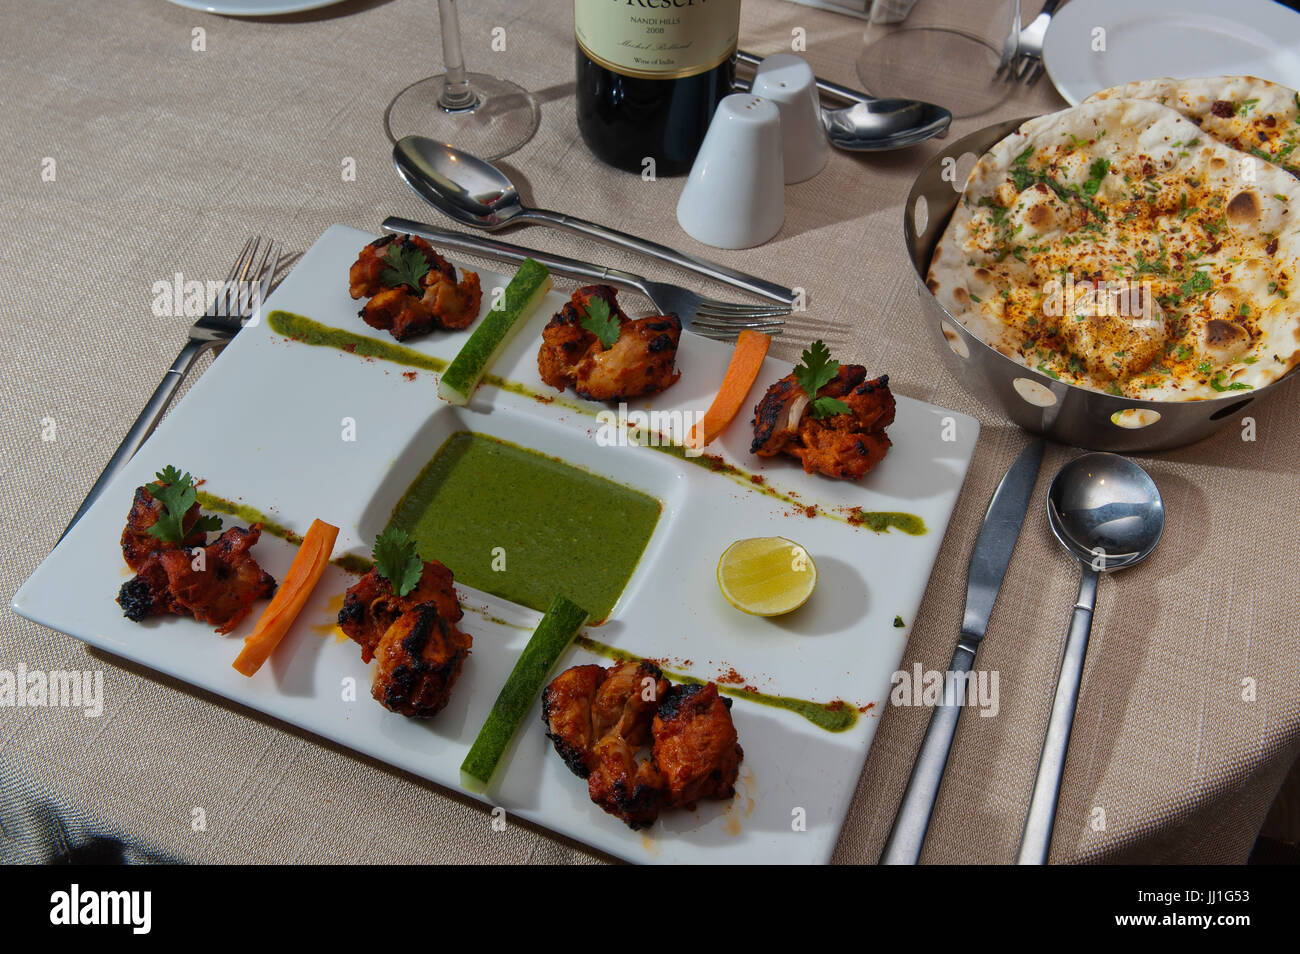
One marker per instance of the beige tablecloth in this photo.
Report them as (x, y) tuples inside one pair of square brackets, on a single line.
[(166, 157)]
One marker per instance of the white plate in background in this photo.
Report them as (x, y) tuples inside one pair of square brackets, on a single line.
[(1148, 39), (254, 8)]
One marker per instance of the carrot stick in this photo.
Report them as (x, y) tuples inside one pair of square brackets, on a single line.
[(288, 601), (751, 348)]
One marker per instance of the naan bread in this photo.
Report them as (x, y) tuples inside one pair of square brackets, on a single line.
[(1245, 112), (1117, 247)]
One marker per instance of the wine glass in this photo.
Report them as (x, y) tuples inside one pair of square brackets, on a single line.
[(940, 51), (477, 113)]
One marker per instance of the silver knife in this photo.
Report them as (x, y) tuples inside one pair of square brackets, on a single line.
[(988, 564)]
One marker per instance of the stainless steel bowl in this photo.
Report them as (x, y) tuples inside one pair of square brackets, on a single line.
[(1037, 402)]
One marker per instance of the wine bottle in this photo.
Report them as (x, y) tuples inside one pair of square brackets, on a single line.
[(650, 75)]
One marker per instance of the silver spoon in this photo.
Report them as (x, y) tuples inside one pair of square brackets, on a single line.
[(1107, 511), (870, 124), (476, 193)]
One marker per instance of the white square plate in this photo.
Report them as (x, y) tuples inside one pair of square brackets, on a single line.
[(265, 426)]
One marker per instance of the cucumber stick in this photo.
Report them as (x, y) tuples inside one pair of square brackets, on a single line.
[(561, 623), (522, 295)]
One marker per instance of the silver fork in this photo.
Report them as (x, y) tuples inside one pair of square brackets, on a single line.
[(1027, 66), (241, 294), (703, 316)]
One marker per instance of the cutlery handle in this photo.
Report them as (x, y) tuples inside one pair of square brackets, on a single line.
[(719, 273), (493, 248), (913, 818), (1047, 10), (825, 86), (1037, 837), (144, 424)]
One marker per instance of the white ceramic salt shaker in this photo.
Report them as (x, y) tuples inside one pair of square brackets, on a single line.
[(788, 81), (735, 194)]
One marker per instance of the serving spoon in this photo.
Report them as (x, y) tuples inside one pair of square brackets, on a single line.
[(476, 193), (870, 124), (1107, 512)]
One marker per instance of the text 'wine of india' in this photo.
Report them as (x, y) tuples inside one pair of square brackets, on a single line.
[(650, 75)]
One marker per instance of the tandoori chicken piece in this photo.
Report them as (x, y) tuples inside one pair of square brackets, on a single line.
[(370, 607), (419, 658), (138, 544), (221, 588), (641, 361), (146, 594), (619, 782), (365, 278), (403, 309), (599, 720), (843, 446), (566, 710), (603, 720), (696, 749)]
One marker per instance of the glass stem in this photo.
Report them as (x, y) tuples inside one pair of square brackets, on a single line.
[(456, 92)]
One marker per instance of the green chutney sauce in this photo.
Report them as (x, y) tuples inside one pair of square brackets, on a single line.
[(524, 526)]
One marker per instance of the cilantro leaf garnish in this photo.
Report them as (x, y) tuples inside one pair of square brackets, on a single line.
[(601, 321), (1096, 172), (1198, 283), (816, 371), (1216, 382), (1022, 177), (406, 266), (829, 406), (1157, 266), (175, 491), (397, 561)]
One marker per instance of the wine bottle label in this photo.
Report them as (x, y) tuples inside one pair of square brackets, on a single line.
[(657, 39)]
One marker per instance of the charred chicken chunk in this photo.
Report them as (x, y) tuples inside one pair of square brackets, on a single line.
[(641, 361), (566, 710), (696, 749), (221, 588), (138, 544), (602, 721), (365, 278), (370, 607), (419, 658), (622, 784), (218, 588), (843, 446), (404, 309), (146, 594)]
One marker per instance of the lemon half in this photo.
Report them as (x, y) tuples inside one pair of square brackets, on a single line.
[(766, 576)]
